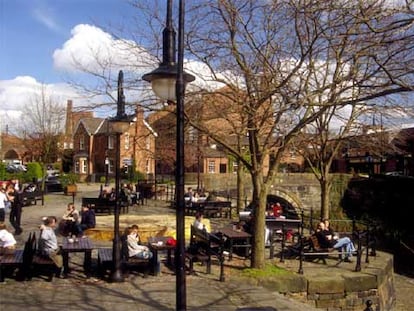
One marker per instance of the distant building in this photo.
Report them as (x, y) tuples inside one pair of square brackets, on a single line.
[(94, 148)]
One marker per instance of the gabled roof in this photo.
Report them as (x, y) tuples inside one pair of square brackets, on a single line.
[(91, 125)]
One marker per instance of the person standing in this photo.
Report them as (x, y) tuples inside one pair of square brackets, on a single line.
[(3, 200), (16, 212)]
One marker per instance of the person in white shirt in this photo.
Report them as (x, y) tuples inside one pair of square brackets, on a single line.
[(135, 249), (198, 222), (7, 240), (3, 200)]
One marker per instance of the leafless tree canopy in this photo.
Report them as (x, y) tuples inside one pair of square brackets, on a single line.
[(291, 64), (42, 125), (281, 67)]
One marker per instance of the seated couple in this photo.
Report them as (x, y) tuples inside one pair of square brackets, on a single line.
[(135, 249), (327, 239), (74, 222)]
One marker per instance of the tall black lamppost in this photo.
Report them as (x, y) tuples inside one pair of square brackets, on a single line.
[(168, 82), (119, 125)]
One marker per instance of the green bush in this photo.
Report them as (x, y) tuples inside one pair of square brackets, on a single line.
[(34, 172), (2, 171), (69, 179)]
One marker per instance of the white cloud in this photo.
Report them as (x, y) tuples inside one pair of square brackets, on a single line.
[(92, 49), (19, 94)]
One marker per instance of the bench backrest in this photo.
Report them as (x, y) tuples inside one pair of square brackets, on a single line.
[(314, 242), (206, 242)]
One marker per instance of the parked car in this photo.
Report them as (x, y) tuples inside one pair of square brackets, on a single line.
[(53, 184), (15, 168)]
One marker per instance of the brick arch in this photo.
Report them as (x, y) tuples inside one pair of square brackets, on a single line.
[(11, 154), (290, 198)]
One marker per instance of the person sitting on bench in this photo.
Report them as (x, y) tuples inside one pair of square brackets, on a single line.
[(326, 240), (135, 249), (7, 240)]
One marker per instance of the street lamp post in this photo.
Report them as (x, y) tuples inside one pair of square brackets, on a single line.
[(119, 125), (168, 82)]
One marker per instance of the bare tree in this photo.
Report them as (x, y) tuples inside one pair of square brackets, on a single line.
[(283, 65), (288, 64), (42, 125)]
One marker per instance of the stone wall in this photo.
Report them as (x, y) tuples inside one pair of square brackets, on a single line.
[(338, 289), (301, 190)]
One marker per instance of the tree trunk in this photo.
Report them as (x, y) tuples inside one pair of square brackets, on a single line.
[(325, 197), (259, 205), (240, 188)]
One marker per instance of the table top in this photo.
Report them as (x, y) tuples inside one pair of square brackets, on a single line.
[(233, 234), (80, 244), (160, 243), (279, 222)]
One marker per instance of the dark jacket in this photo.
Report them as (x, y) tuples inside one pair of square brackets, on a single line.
[(88, 219)]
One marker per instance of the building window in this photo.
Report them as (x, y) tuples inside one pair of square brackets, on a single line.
[(148, 142), (235, 166), (82, 143), (83, 165), (110, 142), (111, 166), (211, 166), (77, 166), (127, 141), (147, 166)]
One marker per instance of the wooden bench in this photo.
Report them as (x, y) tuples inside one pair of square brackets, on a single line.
[(31, 197), (203, 247), (209, 208), (10, 262), (105, 260), (311, 248), (37, 264), (220, 209), (102, 206)]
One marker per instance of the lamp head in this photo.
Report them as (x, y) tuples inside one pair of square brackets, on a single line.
[(163, 81)]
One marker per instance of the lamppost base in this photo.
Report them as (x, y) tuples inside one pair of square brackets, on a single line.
[(117, 277)]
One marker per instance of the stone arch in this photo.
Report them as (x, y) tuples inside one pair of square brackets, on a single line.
[(287, 199), (11, 154)]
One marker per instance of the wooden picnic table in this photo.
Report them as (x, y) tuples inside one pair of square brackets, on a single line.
[(158, 244), (236, 239), (79, 245)]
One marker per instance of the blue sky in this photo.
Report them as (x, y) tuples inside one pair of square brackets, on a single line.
[(38, 39), (31, 30)]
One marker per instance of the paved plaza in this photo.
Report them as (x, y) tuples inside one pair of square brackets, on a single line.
[(204, 292)]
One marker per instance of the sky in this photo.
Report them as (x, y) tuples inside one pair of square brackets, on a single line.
[(37, 39), (32, 30)]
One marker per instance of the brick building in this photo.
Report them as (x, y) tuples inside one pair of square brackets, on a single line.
[(94, 148)]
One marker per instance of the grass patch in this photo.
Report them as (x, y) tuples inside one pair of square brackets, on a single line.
[(268, 271)]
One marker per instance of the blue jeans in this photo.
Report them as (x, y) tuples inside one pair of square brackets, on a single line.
[(346, 246)]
